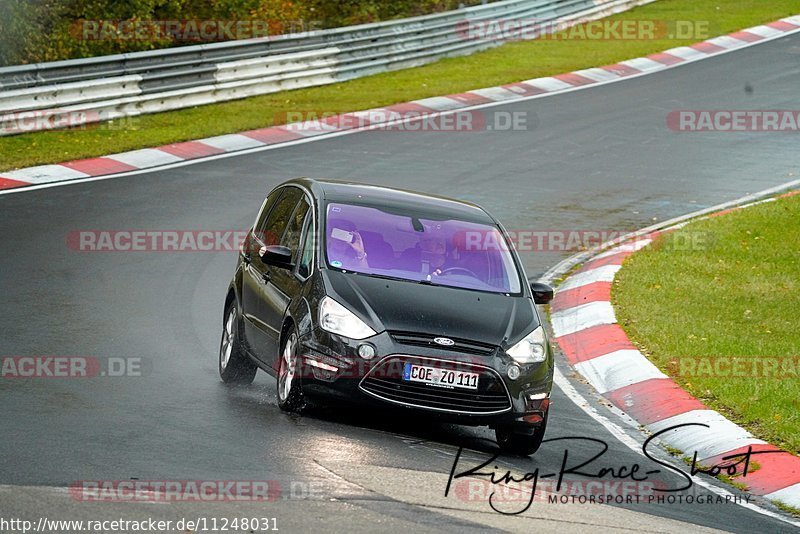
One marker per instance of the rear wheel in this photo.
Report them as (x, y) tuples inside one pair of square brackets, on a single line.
[(290, 387), (513, 441), (234, 365)]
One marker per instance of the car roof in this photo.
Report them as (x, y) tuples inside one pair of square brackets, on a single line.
[(335, 191)]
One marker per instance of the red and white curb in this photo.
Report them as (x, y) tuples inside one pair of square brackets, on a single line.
[(151, 158), (585, 327)]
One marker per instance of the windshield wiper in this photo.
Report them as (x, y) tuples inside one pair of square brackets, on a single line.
[(383, 276)]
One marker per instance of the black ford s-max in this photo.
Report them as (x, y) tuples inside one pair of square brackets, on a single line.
[(394, 298)]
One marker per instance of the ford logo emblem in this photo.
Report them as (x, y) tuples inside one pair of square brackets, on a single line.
[(446, 341)]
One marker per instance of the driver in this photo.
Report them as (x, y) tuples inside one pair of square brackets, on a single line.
[(433, 253), (437, 261)]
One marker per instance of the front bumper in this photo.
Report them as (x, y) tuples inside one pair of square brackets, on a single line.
[(331, 366)]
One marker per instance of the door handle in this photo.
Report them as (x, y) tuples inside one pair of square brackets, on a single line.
[(266, 276)]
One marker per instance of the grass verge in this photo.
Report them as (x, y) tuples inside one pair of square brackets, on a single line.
[(787, 508), (715, 306), (512, 62)]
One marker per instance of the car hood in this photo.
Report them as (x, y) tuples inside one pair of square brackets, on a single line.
[(451, 312)]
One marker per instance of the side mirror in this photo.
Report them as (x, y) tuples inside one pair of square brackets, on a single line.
[(277, 255), (542, 293)]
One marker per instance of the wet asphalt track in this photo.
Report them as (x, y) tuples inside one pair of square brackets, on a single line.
[(598, 159)]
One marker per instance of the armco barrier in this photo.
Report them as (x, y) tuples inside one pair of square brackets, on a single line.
[(111, 87)]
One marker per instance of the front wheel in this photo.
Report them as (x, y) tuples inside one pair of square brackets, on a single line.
[(234, 365), (513, 441), (290, 387)]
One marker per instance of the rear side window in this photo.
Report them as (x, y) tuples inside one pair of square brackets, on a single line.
[(273, 227), (266, 208)]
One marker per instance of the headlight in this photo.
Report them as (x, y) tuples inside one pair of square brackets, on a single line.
[(335, 318), (531, 349)]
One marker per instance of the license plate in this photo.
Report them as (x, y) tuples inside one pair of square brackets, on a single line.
[(434, 376)]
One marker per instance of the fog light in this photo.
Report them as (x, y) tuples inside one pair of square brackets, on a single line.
[(540, 404), (366, 351), (513, 372)]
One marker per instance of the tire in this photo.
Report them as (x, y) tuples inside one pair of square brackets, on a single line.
[(289, 380), (235, 367), (518, 443)]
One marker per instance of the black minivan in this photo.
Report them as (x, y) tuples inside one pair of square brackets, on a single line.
[(390, 297)]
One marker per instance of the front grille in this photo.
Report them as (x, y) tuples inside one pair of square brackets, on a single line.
[(385, 382), (461, 346)]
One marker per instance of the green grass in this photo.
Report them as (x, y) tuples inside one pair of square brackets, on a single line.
[(787, 508), (510, 63), (736, 296)]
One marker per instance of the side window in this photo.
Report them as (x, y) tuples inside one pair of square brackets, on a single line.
[(291, 237), (307, 258), (278, 219), (266, 208)]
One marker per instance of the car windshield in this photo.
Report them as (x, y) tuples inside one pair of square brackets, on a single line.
[(449, 252)]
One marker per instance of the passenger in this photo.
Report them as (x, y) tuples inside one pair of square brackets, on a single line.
[(345, 246)]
